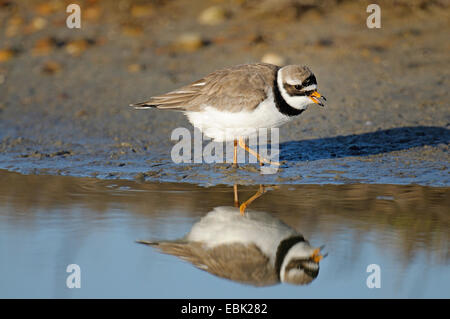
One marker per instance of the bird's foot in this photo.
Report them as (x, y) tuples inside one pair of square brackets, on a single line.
[(242, 209)]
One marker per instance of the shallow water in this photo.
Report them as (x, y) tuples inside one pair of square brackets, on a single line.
[(49, 222)]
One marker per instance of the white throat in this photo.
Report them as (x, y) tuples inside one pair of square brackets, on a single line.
[(297, 102)]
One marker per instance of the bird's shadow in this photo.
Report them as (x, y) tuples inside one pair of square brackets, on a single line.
[(382, 141)]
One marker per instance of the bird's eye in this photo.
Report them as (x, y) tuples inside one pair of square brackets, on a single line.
[(297, 86)]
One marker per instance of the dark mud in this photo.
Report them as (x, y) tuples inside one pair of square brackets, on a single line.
[(64, 93)]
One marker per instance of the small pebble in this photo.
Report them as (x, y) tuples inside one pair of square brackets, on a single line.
[(188, 42), (76, 47), (92, 13), (43, 46), (212, 16), (273, 58), (142, 10), (6, 54), (38, 23), (132, 30), (51, 67), (134, 68)]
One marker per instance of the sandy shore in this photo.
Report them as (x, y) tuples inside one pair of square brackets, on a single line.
[(64, 92)]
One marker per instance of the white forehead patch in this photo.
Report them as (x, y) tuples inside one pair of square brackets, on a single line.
[(311, 87), (293, 82)]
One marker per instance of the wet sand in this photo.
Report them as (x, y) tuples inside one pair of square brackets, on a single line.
[(64, 93)]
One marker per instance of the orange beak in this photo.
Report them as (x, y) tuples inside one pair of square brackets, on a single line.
[(316, 257), (317, 98)]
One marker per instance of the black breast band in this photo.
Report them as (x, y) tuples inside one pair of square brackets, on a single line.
[(283, 249), (281, 104)]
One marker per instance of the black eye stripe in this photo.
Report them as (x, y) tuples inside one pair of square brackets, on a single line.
[(297, 89), (292, 90), (309, 81)]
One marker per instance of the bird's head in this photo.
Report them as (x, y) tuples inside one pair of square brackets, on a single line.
[(301, 264), (298, 87)]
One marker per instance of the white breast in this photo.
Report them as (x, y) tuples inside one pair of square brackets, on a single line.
[(227, 126), (225, 225)]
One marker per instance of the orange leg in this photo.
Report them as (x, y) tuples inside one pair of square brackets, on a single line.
[(258, 194), (248, 149), (235, 165), (236, 198)]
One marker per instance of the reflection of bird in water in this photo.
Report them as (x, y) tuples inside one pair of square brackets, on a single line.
[(262, 190), (256, 249)]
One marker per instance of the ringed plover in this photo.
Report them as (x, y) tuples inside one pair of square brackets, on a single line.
[(259, 249), (231, 104)]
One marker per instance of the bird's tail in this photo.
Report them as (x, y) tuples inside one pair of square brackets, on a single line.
[(143, 105), (146, 242)]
